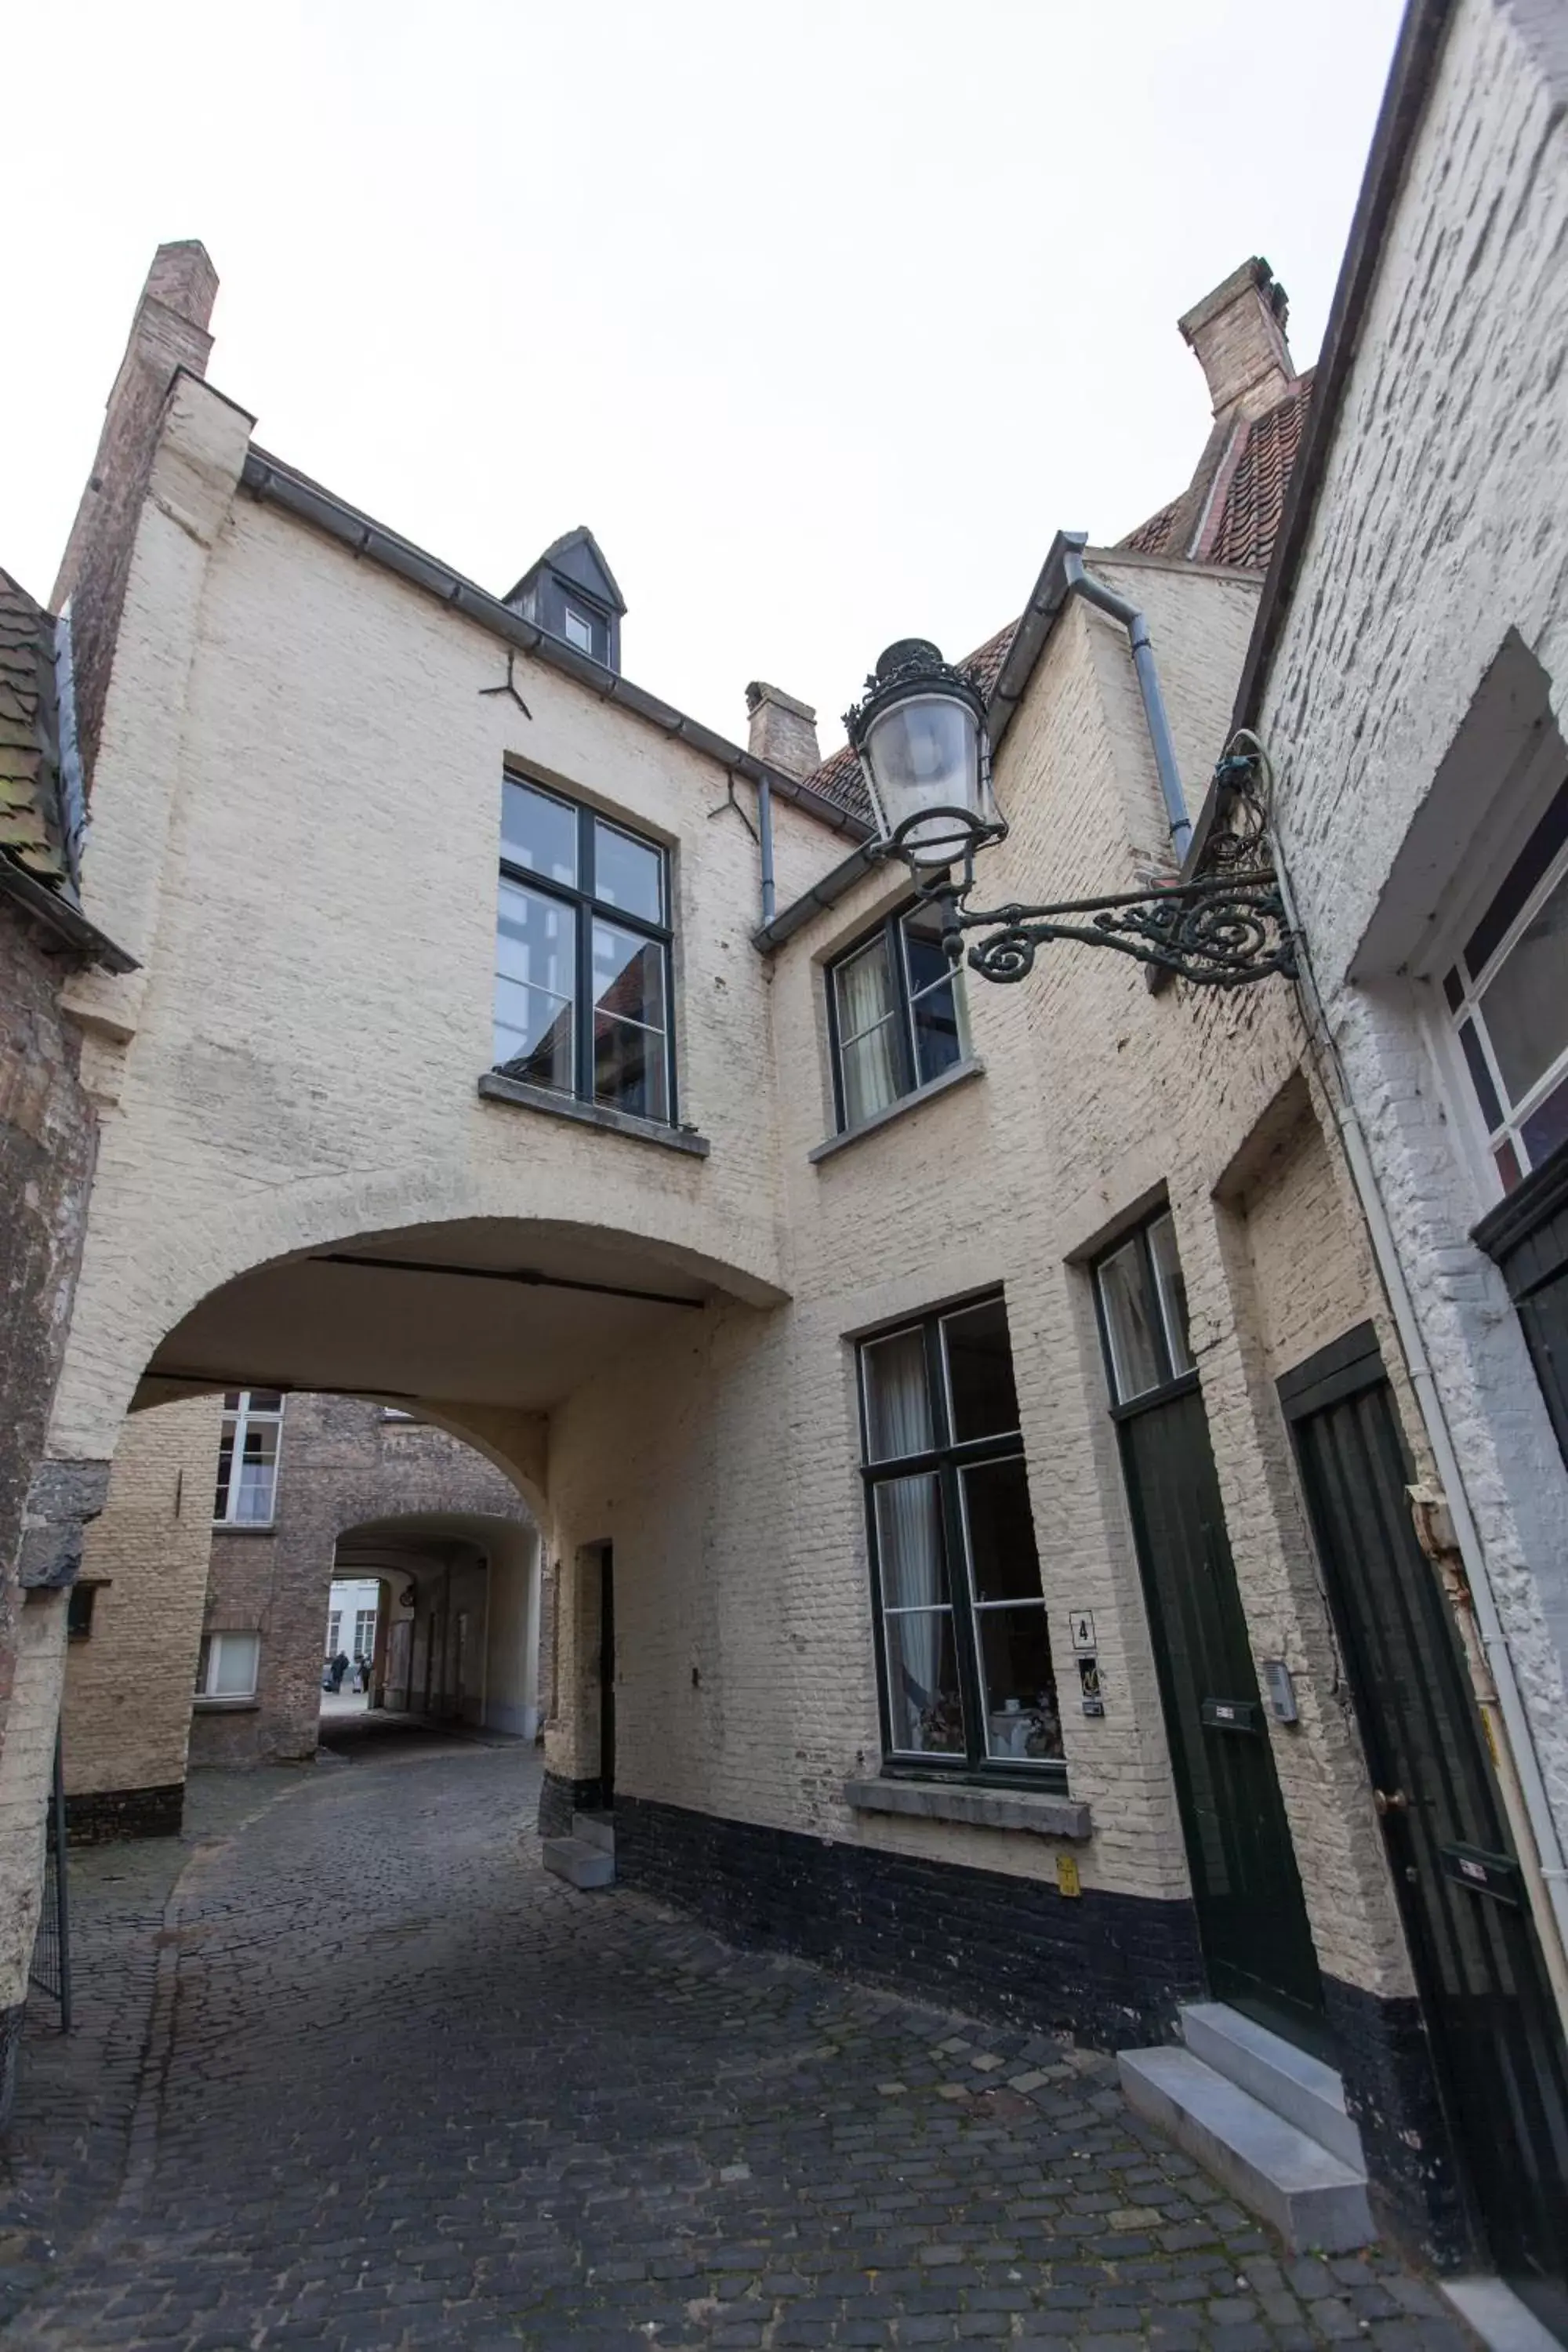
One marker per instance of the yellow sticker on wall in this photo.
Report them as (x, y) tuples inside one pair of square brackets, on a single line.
[(1067, 1875)]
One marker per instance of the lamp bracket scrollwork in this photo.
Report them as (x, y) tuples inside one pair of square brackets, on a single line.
[(1225, 926)]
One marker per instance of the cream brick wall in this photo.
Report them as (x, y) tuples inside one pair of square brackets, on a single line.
[(1438, 531), (27, 1764), (322, 1084), (128, 1686), (743, 1588)]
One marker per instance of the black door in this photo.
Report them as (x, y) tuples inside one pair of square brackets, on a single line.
[(607, 1675), (1489, 2012), (1252, 1920)]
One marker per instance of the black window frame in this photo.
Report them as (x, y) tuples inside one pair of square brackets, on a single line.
[(587, 906), (948, 1458), (891, 931)]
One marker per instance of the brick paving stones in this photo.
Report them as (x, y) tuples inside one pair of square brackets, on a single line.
[(402, 2089)]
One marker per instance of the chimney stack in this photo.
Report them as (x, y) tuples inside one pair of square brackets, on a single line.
[(168, 332), (1238, 335), (783, 732)]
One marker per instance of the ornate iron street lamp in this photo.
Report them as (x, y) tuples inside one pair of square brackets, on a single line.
[(919, 734)]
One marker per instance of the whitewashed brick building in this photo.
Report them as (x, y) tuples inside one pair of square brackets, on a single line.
[(935, 1397)]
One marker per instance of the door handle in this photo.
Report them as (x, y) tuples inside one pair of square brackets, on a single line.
[(1390, 1801)]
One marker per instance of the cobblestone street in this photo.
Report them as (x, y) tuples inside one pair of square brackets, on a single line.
[(403, 2089)]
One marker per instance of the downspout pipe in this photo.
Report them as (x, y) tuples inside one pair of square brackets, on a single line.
[(765, 844), (1095, 592)]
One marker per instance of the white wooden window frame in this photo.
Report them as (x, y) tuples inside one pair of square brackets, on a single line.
[(243, 1415), (207, 1669)]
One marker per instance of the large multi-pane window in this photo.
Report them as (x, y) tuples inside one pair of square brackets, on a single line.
[(895, 1015), (364, 1632), (247, 1457), (1507, 993), (965, 1655), (583, 937)]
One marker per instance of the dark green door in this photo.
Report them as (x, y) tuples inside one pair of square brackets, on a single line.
[(1489, 2012), (1252, 1920)]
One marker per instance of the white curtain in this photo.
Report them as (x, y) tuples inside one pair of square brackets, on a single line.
[(866, 1010), (909, 1551)]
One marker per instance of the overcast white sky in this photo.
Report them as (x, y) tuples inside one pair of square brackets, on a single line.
[(823, 314)]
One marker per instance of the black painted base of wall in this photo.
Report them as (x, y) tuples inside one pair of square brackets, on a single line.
[(105, 1816), (559, 1799), (1391, 2090), (1110, 1969)]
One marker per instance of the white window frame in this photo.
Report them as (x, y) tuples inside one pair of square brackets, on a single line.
[(363, 1617), (571, 613), (334, 1630), (1471, 1008), (206, 1665), (242, 1414)]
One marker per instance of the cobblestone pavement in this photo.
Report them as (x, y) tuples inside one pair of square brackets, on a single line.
[(405, 2090)]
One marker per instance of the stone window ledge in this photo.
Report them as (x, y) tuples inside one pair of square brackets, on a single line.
[(958, 1075), (1045, 1812), (245, 1527), (205, 1706), (494, 1087)]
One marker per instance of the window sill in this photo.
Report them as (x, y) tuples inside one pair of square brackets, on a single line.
[(495, 1088), (960, 1075), (204, 1706), (1045, 1814), (245, 1527)]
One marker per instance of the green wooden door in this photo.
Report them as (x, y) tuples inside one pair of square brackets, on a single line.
[(1252, 1920), (1496, 2039)]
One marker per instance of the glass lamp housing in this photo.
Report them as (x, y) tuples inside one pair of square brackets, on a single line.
[(920, 738)]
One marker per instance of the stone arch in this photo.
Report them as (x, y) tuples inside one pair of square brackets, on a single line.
[(144, 1274)]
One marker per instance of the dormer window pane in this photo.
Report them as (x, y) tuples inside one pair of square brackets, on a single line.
[(538, 831), (577, 629), (628, 874)]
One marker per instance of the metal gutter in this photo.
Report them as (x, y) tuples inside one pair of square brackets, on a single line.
[(275, 484), (66, 922), (1048, 594), (818, 898), (1410, 79), (1095, 592)]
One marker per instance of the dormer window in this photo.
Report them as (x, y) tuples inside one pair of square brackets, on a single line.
[(571, 594)]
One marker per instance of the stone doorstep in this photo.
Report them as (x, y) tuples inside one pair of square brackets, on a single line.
[(578, 1861), (1492, 2311), (1301, 2088), (595, 1829), (1311, 2196)]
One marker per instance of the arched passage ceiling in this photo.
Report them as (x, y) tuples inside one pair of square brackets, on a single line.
[(478, 1311)]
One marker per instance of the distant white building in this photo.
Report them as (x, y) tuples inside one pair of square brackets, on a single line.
[(351, 1617)]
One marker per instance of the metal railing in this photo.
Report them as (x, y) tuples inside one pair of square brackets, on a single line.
[(51, 1964)]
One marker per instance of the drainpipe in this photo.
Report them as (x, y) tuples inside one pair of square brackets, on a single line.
[(1095, 592), (765, 842), (1494, 1641)]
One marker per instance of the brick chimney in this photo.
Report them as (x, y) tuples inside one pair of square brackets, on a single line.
[(1238, 335), (783, 732), (168, 332)]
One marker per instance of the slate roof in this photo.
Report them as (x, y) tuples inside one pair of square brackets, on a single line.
[(1234, 501), (31, 834)]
